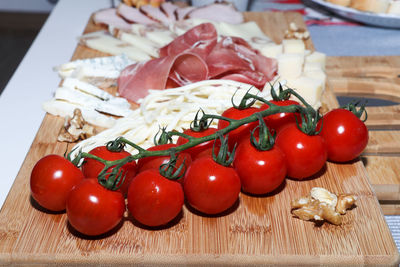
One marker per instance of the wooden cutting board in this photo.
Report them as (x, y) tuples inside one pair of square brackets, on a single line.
[(376, 77), (256, 231)]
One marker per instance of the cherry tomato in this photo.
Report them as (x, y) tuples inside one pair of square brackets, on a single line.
[(210, 187), (260, 172), (193, 151), (155, 162), (279, 120), (92, 168), (305, 154), (94, 210), (154, 200), (52, 179), (346, 136), (207, 153), (243, 131)]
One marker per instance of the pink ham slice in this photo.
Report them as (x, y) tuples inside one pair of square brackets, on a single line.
[(169, 10), (218, 12), (196, 56), (182, 12), (155, 13), (110, 17), (133, 15)]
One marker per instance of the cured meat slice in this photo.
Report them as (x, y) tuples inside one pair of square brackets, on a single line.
[(155, 13), (182, 12), (197, 56), (200, 39), (110, 17), (169, 9), (256, 79), (234, 54), (135, 80), (218, 13), (133, 15)]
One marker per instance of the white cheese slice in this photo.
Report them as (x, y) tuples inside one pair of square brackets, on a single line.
[(142, 43), (63, 109), (309, 88), (107, 67), (87, 88), (293, 46), (290, 66), (271, 50), (317, 74), (106, 43), (91, 102), (316, 57), (248, 31)]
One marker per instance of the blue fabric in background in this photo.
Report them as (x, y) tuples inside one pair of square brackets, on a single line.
[(342, 40), (355, 40)]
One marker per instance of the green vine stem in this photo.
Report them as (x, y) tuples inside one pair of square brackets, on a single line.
[(114, 178)]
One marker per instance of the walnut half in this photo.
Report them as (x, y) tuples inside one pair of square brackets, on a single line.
[(322, 205), (75, 128)]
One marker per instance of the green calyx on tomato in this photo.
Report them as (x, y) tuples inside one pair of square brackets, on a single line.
[(199, 125), (170, 170), (164, 137), (358, 111), (309, 122), (265, 139), (224, 157), (283, 94)]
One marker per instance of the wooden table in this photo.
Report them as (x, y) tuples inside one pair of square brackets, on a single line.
[(257, 231)]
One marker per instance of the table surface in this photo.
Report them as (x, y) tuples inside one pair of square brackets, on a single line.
[(35, 81)]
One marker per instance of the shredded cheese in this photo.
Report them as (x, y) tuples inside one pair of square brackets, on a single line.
[(173, 109)]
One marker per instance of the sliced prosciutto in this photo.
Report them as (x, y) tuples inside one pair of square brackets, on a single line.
[(233, 54), (195, 56), (200, 39)]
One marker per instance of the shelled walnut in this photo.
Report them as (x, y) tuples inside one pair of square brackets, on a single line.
[(75, 128), (322, 205), (294, 32)]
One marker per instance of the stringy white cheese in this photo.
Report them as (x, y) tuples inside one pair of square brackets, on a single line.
[(171, 108)]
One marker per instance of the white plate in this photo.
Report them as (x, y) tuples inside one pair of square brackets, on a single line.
[(375, 19)]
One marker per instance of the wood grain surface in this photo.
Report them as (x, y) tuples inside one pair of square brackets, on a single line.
[(376, 77), (256, 231)]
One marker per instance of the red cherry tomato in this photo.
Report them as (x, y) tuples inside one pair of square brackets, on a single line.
[(207, 153), (155, 162), (91, 168), (154, 200), (279, 120), (193, 151), (346, 136), (52, 179), (305, 154), (243, 131), (260, 172), (94, 210), (210, 187)]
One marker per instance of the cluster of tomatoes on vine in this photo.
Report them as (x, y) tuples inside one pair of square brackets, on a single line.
[(252, 150)]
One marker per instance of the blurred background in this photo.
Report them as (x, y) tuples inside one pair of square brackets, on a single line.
[(20, 22)]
